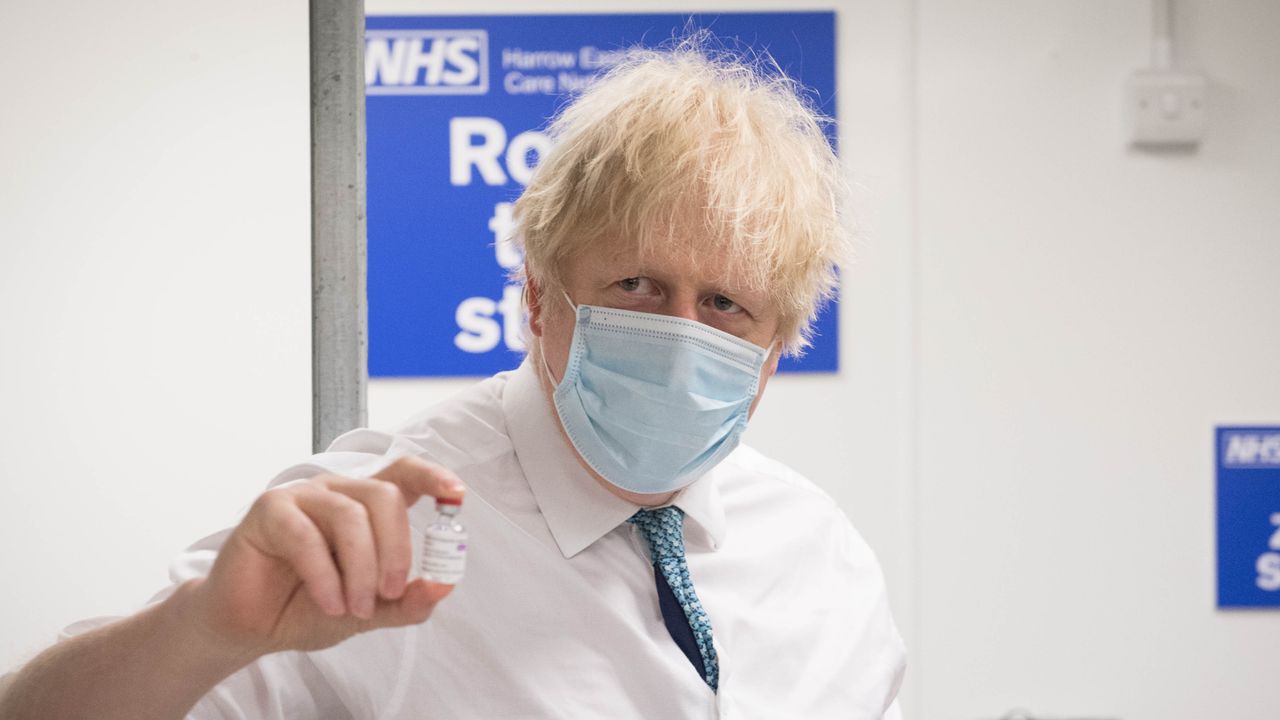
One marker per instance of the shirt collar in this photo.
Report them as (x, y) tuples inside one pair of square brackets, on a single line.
[(577, 509)]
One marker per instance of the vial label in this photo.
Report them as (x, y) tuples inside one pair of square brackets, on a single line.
[(444, 555)]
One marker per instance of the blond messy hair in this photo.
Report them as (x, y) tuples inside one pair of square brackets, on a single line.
[(702, 150)]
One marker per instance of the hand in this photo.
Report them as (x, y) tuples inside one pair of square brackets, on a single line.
[(316, 561)]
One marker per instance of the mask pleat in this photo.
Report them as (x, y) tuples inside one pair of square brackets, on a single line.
[(651, 411)]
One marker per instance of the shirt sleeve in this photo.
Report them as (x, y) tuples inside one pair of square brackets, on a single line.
[(880, 650), (280, 686), (285, 685)]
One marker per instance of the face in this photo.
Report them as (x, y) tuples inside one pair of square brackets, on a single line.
[(612, 274)]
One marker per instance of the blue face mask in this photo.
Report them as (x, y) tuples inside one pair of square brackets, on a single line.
[(652, 402)]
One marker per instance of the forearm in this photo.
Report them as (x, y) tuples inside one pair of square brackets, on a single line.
[(155, 664)]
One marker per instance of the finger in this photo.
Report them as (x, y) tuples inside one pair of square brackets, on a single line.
[(289, 534), (345, 524), (388, 512), (414, 607), (416, 477)]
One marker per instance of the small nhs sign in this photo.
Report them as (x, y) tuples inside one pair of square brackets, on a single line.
[(1250, 448), (1248, 517), (426, 62)]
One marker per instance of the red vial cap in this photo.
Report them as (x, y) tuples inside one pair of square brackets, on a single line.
[(448, 501)]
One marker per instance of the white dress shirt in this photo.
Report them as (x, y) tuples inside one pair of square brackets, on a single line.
[(558, 617)]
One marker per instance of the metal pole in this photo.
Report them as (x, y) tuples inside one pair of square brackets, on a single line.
[(339, 316)]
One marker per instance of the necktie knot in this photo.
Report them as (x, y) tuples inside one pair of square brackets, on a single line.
[(681, 609), (664, 529)]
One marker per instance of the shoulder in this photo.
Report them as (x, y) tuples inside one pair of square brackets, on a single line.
[(478, 406), (748, 476), (758, 490), (466, 429)]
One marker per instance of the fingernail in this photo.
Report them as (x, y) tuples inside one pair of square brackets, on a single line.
[(437, 591)]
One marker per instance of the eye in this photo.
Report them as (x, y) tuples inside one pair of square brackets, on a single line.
[(636, 285), (725, 305)]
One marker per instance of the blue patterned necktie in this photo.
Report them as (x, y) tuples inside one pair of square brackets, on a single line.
[(681, 609)]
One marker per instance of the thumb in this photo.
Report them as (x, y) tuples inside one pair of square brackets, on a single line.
[(413, 607)]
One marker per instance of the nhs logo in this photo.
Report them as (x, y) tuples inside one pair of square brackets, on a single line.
[(1251, 448), (426, 62)]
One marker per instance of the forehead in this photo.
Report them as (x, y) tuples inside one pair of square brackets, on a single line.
[(689, 258)]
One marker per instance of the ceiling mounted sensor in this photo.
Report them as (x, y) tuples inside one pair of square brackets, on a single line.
[(1166, 107)]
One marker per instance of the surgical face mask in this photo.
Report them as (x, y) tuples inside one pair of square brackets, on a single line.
[(652, 402)]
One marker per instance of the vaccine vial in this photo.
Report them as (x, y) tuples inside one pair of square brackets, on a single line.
[(444, 544)]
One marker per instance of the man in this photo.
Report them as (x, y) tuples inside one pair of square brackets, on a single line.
[(627, 557)]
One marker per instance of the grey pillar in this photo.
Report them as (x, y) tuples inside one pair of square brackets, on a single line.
[(339, 315)]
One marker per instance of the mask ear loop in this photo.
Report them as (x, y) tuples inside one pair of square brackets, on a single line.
[(547, 368), (543, 356), (768, 350)]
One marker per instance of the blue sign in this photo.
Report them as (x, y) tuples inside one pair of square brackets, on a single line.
[(455, 112), (1248, 516)]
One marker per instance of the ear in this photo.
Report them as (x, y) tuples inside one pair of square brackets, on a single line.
[(533, 301), (766, 371), (770, 366)]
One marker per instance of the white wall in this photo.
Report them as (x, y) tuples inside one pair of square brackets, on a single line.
[(1086, 315), (1040, 331), (154, 290)]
